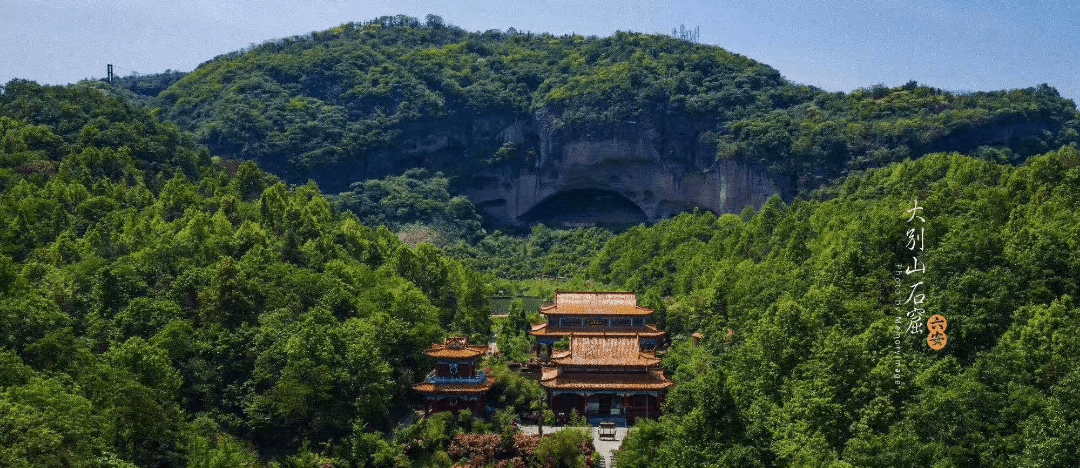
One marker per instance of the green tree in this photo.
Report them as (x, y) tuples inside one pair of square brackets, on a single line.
[(565, 448), (45, 423)]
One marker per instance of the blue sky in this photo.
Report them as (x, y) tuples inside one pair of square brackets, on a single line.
[(836, 45)]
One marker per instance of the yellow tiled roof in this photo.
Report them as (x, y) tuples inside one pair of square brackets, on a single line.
[(647, 331), (651, 380), (605, 351), (595, 303), (456, 348), (599, 299), (454, 389)]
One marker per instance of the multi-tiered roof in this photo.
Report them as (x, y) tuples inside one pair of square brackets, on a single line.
[(610, 369), (596, 314), (455, 383), (604, 363), (455, 348)]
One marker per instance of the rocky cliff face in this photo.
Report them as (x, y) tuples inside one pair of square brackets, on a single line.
[(614, 180), (571, 130), (564, 175)]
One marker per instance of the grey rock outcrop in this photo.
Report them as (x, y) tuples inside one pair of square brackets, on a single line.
[(566, 175)]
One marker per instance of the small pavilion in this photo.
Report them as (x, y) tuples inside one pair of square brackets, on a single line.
[(455, 383)]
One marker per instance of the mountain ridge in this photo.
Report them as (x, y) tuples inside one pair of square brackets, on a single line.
[(505, 114)]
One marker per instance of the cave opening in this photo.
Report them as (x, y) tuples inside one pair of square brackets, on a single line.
[(584, 208)]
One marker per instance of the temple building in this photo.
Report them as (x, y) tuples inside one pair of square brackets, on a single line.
[(596, 314), (611, 368), (455, 384), (605, 376)]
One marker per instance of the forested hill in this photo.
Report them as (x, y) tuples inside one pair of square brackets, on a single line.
[(162, 307), (815, 353), (374, 99)]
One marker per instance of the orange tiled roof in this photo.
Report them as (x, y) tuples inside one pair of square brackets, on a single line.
[(454, 389), (648, 331), (645, 381), (595, 303), (456, 348), (605, 351)]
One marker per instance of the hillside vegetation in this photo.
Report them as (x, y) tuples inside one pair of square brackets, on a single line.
[(164, 303), (342, 100), (807, 358), (159, 307)]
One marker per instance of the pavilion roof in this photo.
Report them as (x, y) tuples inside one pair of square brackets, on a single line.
[(428, 388), (648, 331), (605, 351), (456, 348), (552, 378), (595, 303)]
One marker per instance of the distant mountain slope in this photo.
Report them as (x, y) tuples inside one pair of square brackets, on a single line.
[(522, 119)]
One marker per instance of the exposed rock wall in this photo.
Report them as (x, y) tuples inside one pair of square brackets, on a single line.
[(632, 169), (659, 165)]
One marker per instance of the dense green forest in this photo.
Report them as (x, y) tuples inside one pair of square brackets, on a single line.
[(162, 307), (416, 203), (338, 103), (798, 303), (164, 301)]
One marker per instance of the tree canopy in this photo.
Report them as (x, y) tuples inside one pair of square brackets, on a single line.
[(807, 357), (160, 306), (165, 301), (363, 100)]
